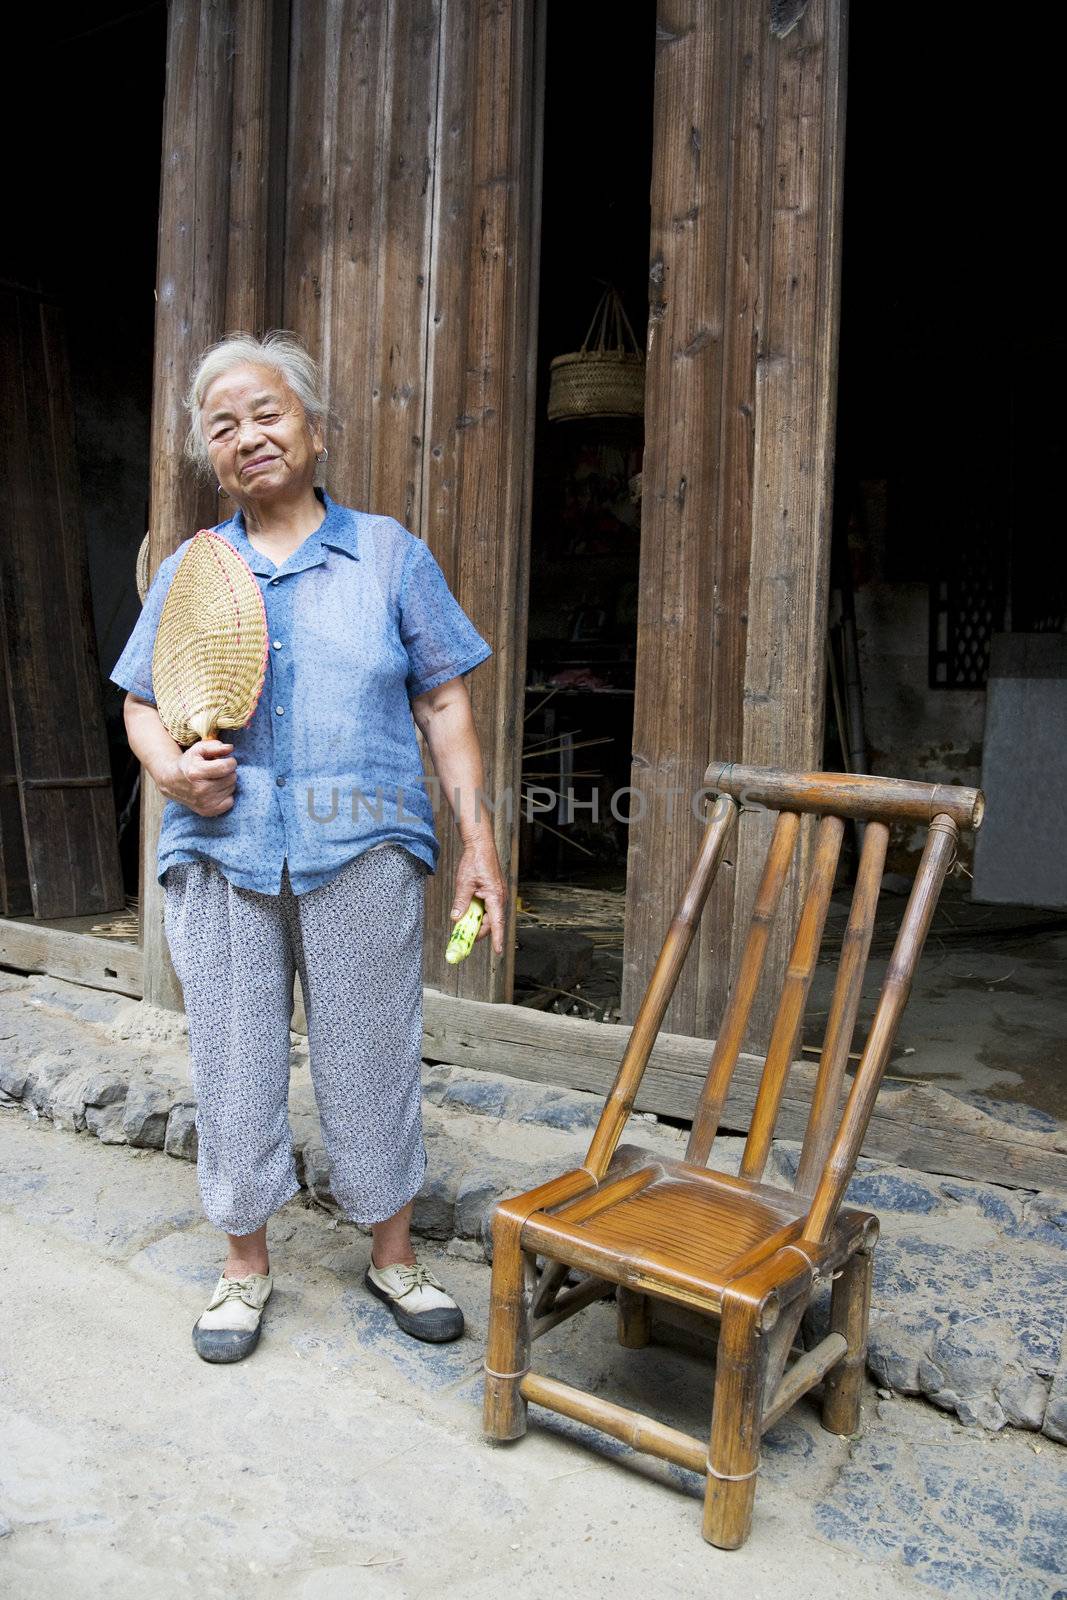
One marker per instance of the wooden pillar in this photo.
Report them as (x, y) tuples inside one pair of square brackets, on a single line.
[(481, 374), (409, 272), (739, 427), (217, 267)]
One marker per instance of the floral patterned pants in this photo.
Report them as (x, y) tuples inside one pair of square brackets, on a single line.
[(357, 943)]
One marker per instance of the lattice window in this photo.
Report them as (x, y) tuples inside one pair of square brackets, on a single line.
[(967, 606)]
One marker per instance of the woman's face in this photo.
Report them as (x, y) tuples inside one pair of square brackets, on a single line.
[(258, 438)]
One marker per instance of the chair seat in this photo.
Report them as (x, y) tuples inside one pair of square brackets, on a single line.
[(664, 1227)]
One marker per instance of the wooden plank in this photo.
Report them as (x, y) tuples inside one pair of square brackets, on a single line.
[(738, 439), (191, 271), (111, 964), (679, 643), (337, 163), (16, 897), (357, 269), (221, 211), (401, 290), (915, 1126), (795, 410), (410, 273), (256, 204), (480, 387)]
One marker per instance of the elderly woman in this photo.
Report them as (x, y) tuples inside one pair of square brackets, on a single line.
[(304, 844)]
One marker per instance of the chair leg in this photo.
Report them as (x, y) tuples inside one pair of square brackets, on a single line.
[(634, 1318), (507, 1354), (850, 1311), (733, 1456)]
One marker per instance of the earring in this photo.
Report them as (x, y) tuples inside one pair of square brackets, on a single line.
[(323, 454), (220, 489)]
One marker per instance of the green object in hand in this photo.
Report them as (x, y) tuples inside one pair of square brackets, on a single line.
[(465, 932)]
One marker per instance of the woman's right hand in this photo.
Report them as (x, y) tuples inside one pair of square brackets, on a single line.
[(203, 778)]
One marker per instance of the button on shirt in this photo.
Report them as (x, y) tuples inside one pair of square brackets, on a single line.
[(360, 622)]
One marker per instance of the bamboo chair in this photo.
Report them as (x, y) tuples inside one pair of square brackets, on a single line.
[(738, 1249)]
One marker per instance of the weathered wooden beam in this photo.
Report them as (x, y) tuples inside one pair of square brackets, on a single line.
[(802, 115), (480, 386), (739, 425), (411, 273), (112, 964), (218, 266), (914, 1126)]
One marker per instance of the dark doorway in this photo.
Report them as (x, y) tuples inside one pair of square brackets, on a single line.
[(947, 505), (595, 222), (84, 111)]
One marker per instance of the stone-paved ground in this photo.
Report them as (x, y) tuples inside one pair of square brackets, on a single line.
[(964, 1523), (344, 1459), (970, 1298)]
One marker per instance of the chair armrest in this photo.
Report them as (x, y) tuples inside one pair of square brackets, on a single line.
[(516, 1211), (775, 1283)]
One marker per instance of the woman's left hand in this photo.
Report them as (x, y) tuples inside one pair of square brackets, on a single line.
[(478, 873)]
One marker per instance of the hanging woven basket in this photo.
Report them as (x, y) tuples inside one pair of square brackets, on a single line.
[(602, 379)]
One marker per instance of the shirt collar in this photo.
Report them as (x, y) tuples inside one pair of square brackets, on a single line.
[(339, 529)]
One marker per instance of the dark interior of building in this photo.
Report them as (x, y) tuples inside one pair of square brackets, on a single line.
[(87, 206)]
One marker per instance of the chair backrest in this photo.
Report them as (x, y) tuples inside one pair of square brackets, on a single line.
[(834, 1134)]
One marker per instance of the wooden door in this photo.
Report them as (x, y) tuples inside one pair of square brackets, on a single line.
[(58, 836), (739, 427)]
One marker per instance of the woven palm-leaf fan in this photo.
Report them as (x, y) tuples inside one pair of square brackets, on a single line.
[(210, 656), (142, 568)]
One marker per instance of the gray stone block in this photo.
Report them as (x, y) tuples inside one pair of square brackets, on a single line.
[(1024, 1398), (433, 1214), (1054, 1425), (488, 1097), (316, 1172), (998, 1206), (43, 1079), (144, 1120), (982, 1412), (564, 1111), (896, 1347), (85, 1087), (13, 1079), (973, 1352), (785, 1161), (435, 1081), (478, 1191), (1046, 1219), (106, 1122), (893, 1191), (180, 1138)]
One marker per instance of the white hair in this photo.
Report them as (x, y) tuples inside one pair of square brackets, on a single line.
[(279, 350)]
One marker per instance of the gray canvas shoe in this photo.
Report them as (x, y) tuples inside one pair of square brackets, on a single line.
[(418, 1301), (228, 1329)]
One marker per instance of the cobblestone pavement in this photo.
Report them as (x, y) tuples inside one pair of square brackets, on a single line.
[(343, 1458)]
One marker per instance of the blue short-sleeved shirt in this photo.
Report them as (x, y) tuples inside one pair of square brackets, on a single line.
[(361, 622)]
